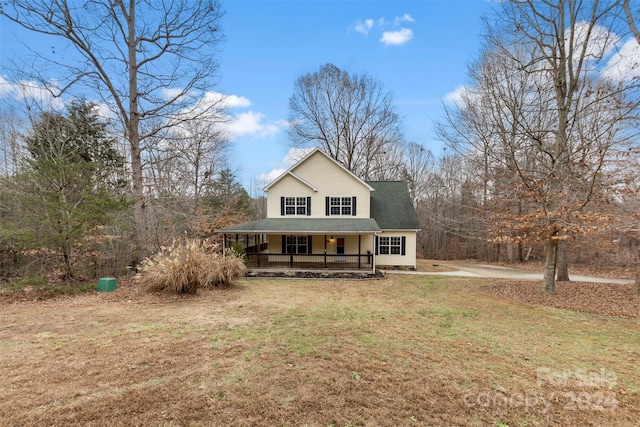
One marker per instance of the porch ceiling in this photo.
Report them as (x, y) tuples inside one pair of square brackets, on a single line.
[(305, 225)]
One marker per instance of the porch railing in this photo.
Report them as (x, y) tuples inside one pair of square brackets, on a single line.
[(311, 261)]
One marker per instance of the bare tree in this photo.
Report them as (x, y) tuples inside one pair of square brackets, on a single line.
[(148, 60), (485, 126), (448, 211), (185, 160), (11, 150), (541, 124), (631, 20), (350, 117), (418, 163), (565, 41), (179, 168), (632, 165)]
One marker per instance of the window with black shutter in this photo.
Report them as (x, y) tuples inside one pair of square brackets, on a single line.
[(296, 244), (391, 245), (340, 206), (290, 205)]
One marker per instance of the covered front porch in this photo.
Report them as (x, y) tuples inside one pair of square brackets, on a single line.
[(309, 244)]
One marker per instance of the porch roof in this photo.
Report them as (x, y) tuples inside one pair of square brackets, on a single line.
[(305, 226)]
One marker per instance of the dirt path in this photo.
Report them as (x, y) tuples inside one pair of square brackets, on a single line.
[(499, 272)]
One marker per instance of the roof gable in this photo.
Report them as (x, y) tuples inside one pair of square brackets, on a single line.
[(290, 171), (311, 186)]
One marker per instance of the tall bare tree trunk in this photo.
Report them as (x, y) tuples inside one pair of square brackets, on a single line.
[(562, 268), (630, 20), (139, 208), (520, 252), (636, 33), (548, 281)]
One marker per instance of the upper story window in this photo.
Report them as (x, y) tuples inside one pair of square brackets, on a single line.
[(340, 206), (295, 206)]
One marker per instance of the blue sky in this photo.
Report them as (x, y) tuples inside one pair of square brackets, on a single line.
[(419, 51)]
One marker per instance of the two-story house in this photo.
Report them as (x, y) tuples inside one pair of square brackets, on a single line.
[(320, 215)]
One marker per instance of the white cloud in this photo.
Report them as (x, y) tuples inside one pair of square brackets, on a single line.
[(396, 38), (171, 93), (601, 40), (224, 112), (364, 27), (625, 63), (7, 89), (251, 124), (457, 95), (210, 101), (392, 35), (269, 177), (28, 91), (233, 101), (404, 18), (224, 101), (294, 155), (105, 112), (214, 107)]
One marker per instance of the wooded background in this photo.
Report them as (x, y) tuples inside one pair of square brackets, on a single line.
[(542, 157)]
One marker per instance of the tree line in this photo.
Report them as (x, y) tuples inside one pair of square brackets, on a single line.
[(541, 159), (542, 148)]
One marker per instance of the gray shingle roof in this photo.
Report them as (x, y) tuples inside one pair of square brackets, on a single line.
[(305, 225), (391, 206), (391, 209)]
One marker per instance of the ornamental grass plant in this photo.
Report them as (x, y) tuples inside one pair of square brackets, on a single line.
[(188, 265)]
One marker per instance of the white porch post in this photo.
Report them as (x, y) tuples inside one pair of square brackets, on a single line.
[(373, 252)]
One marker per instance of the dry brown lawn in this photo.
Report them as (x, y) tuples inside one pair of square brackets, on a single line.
[(401, 351)]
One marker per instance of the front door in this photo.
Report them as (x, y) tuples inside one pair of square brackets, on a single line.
[(340, 245)]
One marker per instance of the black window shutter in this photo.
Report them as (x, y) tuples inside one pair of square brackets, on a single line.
[(282, 206), (376, 245), (353, 206), (404, 246), (308, 206), (326, 206), (309, 245), (284, 244)]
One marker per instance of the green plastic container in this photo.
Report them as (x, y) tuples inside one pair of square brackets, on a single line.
[(106, 284)]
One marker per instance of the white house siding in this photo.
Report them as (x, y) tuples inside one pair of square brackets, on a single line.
[(318, 242), (288, 186), (406, 260), (275, 243), (351, 244), (330, 180)]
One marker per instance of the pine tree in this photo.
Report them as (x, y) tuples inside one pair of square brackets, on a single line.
[(65, 187)]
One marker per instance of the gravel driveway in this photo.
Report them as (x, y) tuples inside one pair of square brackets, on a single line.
[(498, 272)]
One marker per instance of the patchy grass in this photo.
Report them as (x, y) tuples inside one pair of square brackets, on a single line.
[(18, 285), (406, 351), (39, 287)]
